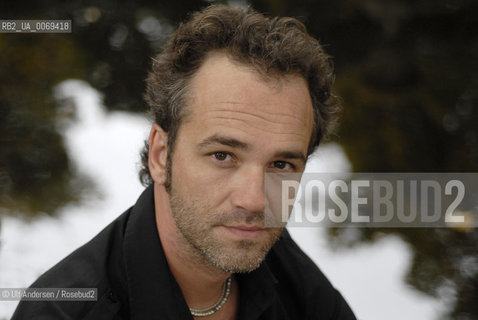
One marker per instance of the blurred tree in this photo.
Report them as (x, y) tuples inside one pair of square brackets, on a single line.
[(110, 47), (407, 72), (35, 172)]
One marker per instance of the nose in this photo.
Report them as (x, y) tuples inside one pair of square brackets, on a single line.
[(248, 190)]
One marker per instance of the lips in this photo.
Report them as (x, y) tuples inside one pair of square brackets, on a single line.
[(247, 228), (246, 232)]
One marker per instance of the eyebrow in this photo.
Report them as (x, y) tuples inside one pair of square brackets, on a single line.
[(234, 143), (226, 141), (291, 155)]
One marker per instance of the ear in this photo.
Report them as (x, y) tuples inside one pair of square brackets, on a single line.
[(158, 154)]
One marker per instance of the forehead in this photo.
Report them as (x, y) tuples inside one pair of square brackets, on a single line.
[(228, 95)]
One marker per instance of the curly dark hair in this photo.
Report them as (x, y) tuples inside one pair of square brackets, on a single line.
[(273, 46)]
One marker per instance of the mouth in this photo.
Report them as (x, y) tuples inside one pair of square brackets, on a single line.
[(245, 232)]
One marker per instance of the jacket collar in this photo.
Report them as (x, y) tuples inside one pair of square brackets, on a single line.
[(152, 288)]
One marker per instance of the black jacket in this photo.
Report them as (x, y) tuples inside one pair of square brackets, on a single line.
[(126, 263)]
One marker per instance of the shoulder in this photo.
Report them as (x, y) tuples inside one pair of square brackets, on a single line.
[(97, 264), (302, 285)]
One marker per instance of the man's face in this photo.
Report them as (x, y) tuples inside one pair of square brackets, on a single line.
[(239, 127)]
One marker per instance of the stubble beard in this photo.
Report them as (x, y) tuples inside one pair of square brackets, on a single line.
[(197, 225)]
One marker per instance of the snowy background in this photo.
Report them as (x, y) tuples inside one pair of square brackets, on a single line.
[(105, 146)]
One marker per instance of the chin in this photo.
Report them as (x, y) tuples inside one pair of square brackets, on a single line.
[(239, 260)]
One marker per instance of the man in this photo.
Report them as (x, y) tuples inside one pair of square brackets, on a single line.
[(234, 95)]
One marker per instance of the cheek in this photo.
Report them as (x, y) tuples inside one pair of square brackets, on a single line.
[(195, 180)]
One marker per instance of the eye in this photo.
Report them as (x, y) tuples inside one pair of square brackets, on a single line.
[(221, 156), (283, 165), (223, 159)]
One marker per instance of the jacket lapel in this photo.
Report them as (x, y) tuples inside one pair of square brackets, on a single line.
[(153, 291)]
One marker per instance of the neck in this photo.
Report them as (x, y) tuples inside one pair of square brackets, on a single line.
[(200, 281)]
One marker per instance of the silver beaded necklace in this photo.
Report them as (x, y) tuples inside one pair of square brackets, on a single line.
[(226, 291)]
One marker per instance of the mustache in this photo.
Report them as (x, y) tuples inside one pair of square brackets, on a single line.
[(239, 216), (219, 217)]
